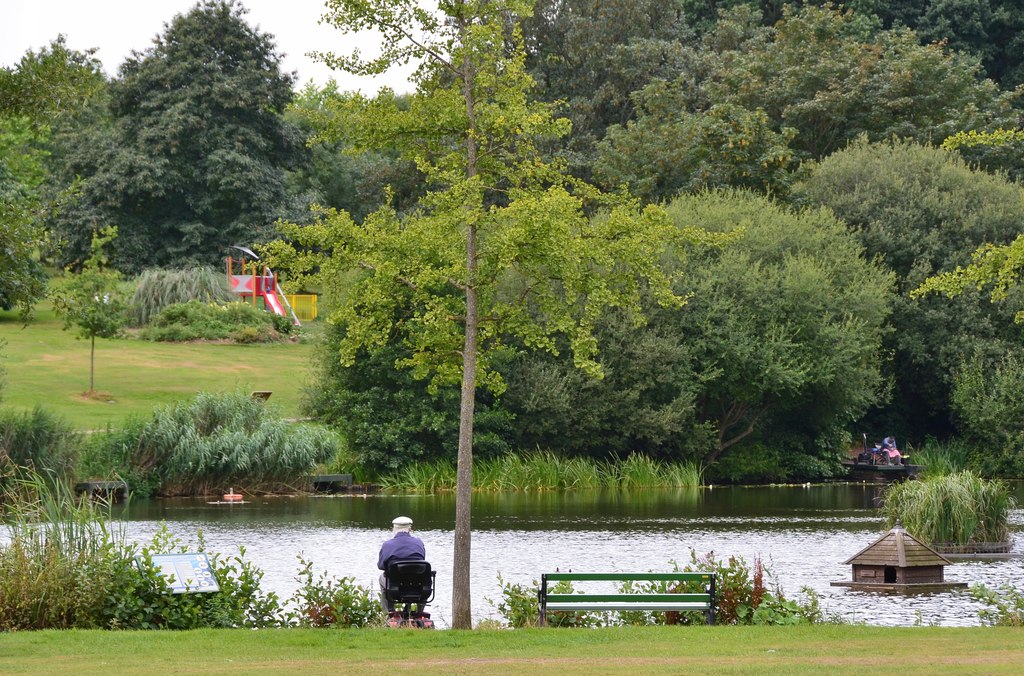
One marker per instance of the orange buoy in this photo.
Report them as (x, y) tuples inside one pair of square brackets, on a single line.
[(232, 496)]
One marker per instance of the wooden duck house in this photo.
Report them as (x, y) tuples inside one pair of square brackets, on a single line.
[(899, 562)]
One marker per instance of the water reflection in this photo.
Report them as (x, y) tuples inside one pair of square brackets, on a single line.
[(803, 533)]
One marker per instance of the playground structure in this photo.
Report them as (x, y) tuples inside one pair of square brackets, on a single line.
[(253, 280)]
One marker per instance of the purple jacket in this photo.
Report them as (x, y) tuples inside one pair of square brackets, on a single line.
[(402, 546)]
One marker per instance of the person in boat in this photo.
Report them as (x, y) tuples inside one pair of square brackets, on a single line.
[(402, 545), (890, 452)]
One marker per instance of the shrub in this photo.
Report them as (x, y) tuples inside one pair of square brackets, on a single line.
[(39, 440), (333, 602), (1004, 607), (210, 443), (55, 566), (156, 289), (240, 322), (518, 607), (953, 509)]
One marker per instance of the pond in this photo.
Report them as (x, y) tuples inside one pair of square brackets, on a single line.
[(802, 533)]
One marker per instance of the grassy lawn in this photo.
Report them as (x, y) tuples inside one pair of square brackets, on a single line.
[(48, 366), (730, 650)]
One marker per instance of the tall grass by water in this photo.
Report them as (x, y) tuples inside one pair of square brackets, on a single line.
[(942, 457), (543, 470), (951, 509), (54, 567), (208, 444)]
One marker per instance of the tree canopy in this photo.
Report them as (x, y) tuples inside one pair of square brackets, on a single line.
[(195, 153)]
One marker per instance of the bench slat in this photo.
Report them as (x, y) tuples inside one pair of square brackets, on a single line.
[(627, 598), (622, 577), (653, 607)]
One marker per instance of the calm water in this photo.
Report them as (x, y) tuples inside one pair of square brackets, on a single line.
[(802, 533)]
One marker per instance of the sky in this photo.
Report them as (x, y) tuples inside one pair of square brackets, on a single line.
[(116, 27)]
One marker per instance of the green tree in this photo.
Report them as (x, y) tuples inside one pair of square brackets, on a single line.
[(923, 212), (93, 300), (832, 77), (787, 323), (194, 157), (591, 55), (42, 88), (335, 177), (999, 151), (500, 245), (668, 150)]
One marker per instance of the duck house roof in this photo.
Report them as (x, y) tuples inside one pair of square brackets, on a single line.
[(898, 548)]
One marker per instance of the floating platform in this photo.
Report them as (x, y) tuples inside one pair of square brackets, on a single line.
[(340, 483), (897, 588), (865, 471), (106, 490)]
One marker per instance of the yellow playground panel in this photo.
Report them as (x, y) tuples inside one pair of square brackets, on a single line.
[(304, 306)]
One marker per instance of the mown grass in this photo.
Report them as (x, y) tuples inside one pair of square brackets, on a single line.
[(698, 650), (45, 365)]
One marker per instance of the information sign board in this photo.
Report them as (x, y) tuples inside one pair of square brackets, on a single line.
[(185, 573)]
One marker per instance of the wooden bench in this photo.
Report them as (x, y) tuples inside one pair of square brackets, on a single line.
[(703, 602)]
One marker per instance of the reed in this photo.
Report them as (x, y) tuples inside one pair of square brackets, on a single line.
[(157, 289), (546, 471), (53, 567), (38, 439), (203, 446), (942, 457), (951, 509)]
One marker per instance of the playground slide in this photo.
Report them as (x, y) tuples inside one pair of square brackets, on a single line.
[(273, 303)]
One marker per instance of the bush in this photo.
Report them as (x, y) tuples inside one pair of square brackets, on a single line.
[(65, 567), (240, 322), (39, 440), (333, 602), (210, 443), (157, 289), (990, 410), (1004, 607)]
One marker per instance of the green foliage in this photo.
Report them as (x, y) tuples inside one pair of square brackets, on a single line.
[(1004, 607), (951, 509), (140, 598), (202, 164), (208, 444), (518, 606), (391, 420), (37, 440), (829, 75), (592, 54), (669, 150), (941, 457), (49, 82), (54, 564), (921, 212), (196, 320), (1001, 150), (333, 602), (156, 289), (786, 324), (989, 407), (94, 299)]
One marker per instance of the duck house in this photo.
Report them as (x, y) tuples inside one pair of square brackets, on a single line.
[(898, 562)]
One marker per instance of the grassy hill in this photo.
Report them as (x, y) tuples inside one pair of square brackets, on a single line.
[(48, 366)]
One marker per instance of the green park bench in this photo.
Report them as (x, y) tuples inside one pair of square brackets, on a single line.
[(655, 602)]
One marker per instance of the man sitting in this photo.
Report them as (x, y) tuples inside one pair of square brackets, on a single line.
[(401, 546)]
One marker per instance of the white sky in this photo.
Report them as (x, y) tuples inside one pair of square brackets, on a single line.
[(116, 27)]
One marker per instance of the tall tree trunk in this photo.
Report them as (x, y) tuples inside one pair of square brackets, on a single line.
[(462, 615), (92, 364)]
